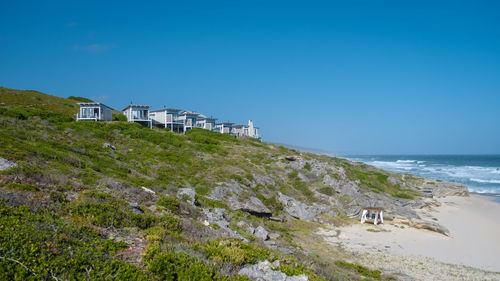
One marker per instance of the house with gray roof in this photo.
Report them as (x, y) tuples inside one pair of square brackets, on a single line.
[(94, 111), (138, 113)]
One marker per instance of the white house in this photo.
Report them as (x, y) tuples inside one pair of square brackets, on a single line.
[(94, 111), (246, 130), (167, 118), (206, 123), (138, 113), (189, 119), (224, 127)]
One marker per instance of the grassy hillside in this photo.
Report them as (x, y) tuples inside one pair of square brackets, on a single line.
[(74, 208)]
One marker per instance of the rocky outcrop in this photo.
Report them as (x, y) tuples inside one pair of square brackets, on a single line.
[(253, 206), (6, 164), (217, 216), (263, 271), (229, 194), (422, 224), (300, 210), (443, 189), (187, 193)]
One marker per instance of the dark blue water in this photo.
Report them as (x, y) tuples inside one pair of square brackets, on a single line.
[(481, 173)]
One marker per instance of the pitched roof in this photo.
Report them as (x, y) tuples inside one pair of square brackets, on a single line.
[(93, 104), (167, 109), (136, 105)]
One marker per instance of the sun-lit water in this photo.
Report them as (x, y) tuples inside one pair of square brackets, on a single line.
[(481, 173)]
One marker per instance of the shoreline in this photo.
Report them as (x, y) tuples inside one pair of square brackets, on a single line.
[(472, 251), (494, 196)]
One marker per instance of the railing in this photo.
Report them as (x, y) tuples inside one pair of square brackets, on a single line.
[(86, 117)]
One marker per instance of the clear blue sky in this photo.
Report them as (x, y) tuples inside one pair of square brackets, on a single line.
[(347, 76)]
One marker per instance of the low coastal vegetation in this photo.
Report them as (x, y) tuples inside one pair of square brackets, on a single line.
[(72, 208)]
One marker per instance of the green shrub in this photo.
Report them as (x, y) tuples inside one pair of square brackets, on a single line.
[(104, 210), (404, 195), (168, 202), (235, 251), (293, 175), (202, 189), (23, 113), (57, 196), (375, 274), (80, 99), (209, 203), (119, 117), (171, 223), (48, 247), (22, 186), (326, 190), (307, 166)]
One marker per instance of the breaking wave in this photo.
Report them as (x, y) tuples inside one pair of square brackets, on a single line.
[(481, 174)]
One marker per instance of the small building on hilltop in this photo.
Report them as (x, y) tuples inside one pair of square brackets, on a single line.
[(167, 118), (94, 111), (224, 127), (207, 123), (189, 119), (138, 113), (246, 130)]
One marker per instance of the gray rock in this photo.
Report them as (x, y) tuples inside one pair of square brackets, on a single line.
[(217, 216), (263, 271), (6, 164), (261, 233), (108, 145), (443, 189), (189, 193), (423, 224), (136, 208), (274, 235), (300, 210), (254, 206), (251, 229), (221, 218), (394, 180)]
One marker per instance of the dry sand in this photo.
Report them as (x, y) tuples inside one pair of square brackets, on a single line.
[(472, 252)]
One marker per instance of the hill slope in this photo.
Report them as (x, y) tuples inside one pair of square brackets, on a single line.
[(119, 201)]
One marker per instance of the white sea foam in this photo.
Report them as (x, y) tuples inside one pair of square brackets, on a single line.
[(484, 190), (480, 179), (406, 161), (485, 181)]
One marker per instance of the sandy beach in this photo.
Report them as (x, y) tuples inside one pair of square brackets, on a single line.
[(471, 252)]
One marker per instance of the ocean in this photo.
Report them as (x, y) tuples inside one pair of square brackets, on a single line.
[(481, 173)]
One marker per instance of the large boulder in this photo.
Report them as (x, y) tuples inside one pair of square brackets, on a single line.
[(253, 206), (263, 271), (6, 164), (300, 210), (261, 233)]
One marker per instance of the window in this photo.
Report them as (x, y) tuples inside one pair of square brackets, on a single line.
[(89, 112)]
